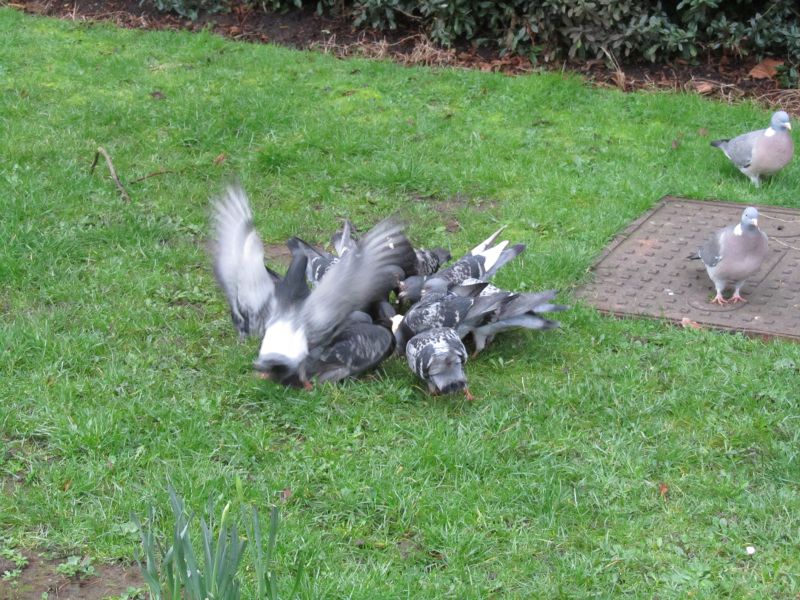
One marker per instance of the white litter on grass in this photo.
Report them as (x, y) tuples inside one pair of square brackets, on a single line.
[(750, 550)]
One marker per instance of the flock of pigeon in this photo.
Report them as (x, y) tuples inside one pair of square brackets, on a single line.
[(334, 316), (331, 316)]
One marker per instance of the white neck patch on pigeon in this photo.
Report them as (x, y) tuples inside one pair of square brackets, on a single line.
[(738, 229), (769, 132), (282, 338)]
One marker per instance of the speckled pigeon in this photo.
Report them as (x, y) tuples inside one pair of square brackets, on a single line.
[(319, 261), (437, 356), (427, 261), (733, 254), (295, 321), (482, 262), (761, 152), (522, 310), (357, 347), (430, 261), (463, 309)]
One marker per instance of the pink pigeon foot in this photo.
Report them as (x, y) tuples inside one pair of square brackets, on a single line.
[(737, 298), (718, 299)]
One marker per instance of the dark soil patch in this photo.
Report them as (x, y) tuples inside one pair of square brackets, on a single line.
[(278, 253), (40, 576), (449, 207), (726, 78)]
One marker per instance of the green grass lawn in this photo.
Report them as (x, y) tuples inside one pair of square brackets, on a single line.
[(121, 371)]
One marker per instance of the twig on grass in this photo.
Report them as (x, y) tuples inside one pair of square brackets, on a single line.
[(154, 174), (120, 187)]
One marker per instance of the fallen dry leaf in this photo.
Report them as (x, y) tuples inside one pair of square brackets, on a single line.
[(676, 144), (286, 493), (220, 159), (702, 132), (766, 69), (687, 322), (703, 87), (663, 490)]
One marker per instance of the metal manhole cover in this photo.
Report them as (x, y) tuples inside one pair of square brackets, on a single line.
[(645, 270)]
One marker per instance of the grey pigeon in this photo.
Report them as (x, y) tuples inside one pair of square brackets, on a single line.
[(761, 152), (522, 310), (462, 309), (357, 347), (319, 261), (482, 262), (437, 356), (343, 241), (733, 254), (430, 261), (427, 261), (295, 321)]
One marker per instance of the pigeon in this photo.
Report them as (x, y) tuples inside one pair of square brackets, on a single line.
[(293, 320), (359, 346), (427, 261), (733, 254), (319, 261), (522, 310), (437, 356), (461, 308), (482, 262), (343, 241), (761, 152)]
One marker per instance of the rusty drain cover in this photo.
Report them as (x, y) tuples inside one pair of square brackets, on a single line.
[(645, 270)]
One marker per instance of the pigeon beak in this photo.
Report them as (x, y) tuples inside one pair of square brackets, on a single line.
[(755, 222), (274, 366), (789, 126)]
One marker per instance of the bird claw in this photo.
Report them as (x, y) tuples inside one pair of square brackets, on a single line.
[(737, 298), (307, 386), (718, 299), (468, 395)]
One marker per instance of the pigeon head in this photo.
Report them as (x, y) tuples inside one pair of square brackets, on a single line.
[(411, 289), (750, 218), (283, 350), (278, 368), (435, 285), (780, 120)]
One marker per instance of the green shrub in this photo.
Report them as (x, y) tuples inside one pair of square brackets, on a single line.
[(190, 9), (548, 30)]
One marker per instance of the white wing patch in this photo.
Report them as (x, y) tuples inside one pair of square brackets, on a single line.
[(769, 132), (737, 230)]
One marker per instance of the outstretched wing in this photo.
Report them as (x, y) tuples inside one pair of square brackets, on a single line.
[(238, 258), (362, 276)]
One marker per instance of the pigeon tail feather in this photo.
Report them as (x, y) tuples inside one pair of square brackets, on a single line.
[(504, 257)]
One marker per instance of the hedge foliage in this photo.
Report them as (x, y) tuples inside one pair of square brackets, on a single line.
[(547, 30)]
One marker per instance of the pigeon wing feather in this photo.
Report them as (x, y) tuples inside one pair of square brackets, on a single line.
[(238, 259)]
